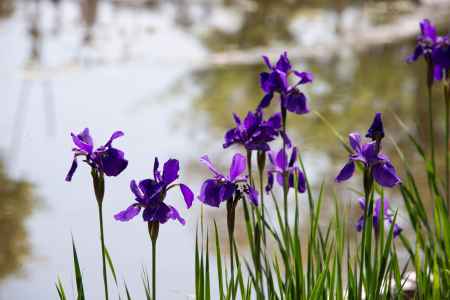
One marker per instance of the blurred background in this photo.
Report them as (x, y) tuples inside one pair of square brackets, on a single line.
[(169, 73)]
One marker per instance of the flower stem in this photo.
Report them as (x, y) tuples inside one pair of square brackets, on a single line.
[(98, 180), (102, 240), (261, 165), (447, 140), (231, 211), (430, 113), (153, 230), (154, 269)]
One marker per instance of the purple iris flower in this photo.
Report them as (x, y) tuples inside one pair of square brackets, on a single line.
[(280, 166), (434, 48), (222, 188), (150, 195), (376, 130), (105, 159), (277, 81), (369, 155), (254, 133), (388, 217), (441, 57), (426, 41)]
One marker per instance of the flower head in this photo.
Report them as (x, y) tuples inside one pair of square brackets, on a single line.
[(276, 80), (441, 57), (222, 187), (254, 133), (151, 193), (280, 166), (369, 155), (388, 218), (426, 41), (376, 130), (434, 48), (105, 159)]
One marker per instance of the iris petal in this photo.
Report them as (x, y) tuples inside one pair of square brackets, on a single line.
[(128, 214), (346, 172), (170, 171), (188, 195)]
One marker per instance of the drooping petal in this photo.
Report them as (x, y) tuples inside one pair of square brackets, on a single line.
[(72, 169), (281, 159), (296, 102), (205, 160), (252, 195), (385, 175), (113, 162), (265, 101), (418, 51), (362, 203), (158, 213), (170, 171), (210, 193), (438, 72), (266, 82), (226, 191), (360, 224), (270, 180), (175, 215), (286, 139), (280, 178), (188, 195), (128, 214), (274, 121), (115, 135), (293, 158), (237, 166), (346, 172), (301, 180)]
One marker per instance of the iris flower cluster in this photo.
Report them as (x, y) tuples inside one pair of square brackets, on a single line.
[(434, 48)]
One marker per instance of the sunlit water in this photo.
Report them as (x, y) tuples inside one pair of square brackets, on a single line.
[(150, 72)]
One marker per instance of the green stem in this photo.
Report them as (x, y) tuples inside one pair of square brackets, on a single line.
[(447, 140), (102, 240), (430, 114), (261, 193), (98, 181), (153, 269), (231, 211)]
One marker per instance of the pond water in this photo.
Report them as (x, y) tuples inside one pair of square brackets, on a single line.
[(169, 75)]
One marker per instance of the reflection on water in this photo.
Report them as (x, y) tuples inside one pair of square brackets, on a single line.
[(16, 205), (165, 44), (6, 8)]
